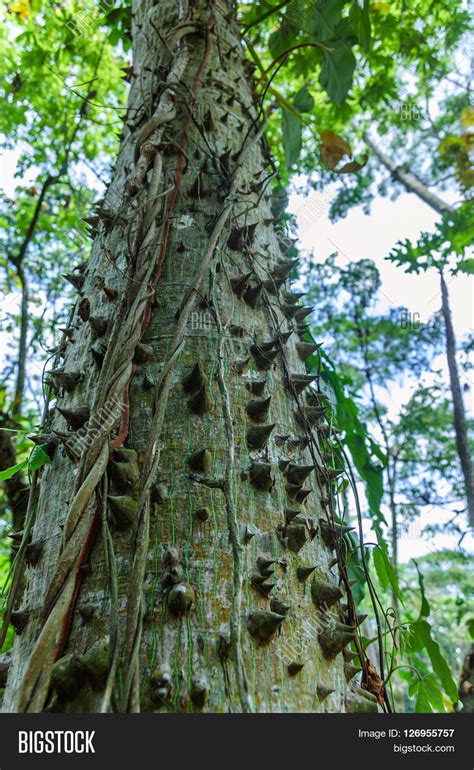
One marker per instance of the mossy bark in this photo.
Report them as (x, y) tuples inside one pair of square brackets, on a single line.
[(169, 610)]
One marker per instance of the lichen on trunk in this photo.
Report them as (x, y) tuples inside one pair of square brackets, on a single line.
[(183, 565)]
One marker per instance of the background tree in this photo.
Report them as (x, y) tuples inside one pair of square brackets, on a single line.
[(61, 131), (421, 143)]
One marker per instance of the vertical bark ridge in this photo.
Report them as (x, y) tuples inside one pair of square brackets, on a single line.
[(228, 489)]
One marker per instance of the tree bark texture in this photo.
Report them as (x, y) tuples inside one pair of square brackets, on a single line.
[(174, 540)]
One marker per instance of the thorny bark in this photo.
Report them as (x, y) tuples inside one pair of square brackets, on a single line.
[(148, 590), (414, 185), (5, 661)]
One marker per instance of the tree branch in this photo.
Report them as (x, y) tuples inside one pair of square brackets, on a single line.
[(409, 180)]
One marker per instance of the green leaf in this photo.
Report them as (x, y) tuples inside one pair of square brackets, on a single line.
[(303, 101), (359, 17), (414, 641), (38, 457), (413, 685), (359, 443), (292, 126), (429, 696), (114, 36), (279, 42), (292, 129), (466, 266), (425, 606), (392, 576), (337, 71), (370, 473), (422, 705), (422, 629), (342, 486), (324, 18), (355, 570), (470, 627), (433, 692), (9, 472), (379, 564), (388, 568)]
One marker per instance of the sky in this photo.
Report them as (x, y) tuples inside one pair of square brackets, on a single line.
[(359, 236)]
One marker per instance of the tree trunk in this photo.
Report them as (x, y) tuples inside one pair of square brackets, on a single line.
[(177, 497), (410, 182), (462, 443)]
